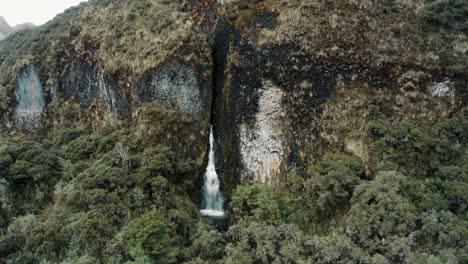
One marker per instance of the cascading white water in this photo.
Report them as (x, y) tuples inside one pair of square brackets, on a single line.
[(213, 201)]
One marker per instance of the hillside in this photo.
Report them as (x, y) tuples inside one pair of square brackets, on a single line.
[(6, 29), (322, 131)]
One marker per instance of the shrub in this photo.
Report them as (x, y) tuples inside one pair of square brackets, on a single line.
[(333, 248), (332, 182), (153, 233), (258, 242), (446, 14), (254, 203), (207, 242), (379, 210)]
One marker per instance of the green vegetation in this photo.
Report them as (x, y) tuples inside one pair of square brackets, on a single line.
[(447, 15), (132, 195), (76, 196), (108, 197)]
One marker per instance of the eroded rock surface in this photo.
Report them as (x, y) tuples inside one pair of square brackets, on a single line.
[(261, 146), (80, 82), (113, 99), (175, 85), (308, 51), (30, 102), (443, 88)]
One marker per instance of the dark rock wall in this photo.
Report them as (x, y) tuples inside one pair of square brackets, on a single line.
[(113, 99), (80, 82), (175, 85), (266, 101)]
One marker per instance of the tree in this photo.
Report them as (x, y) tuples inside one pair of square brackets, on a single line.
[(254, 203), (332, 182), (381, 217), (153, 234)]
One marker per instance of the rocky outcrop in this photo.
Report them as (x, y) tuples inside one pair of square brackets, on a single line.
[(261, 146), (175, 85), (30, 98), (112, 99), (443, 88), (85, 83), (266, 106), (80, 82)]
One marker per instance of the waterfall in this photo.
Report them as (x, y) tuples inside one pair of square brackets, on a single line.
[(212, 198)]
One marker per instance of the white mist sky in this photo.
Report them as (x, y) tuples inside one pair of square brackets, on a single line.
[(34, 11)]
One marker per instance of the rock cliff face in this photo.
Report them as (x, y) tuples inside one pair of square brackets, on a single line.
[(30, 99), (67, 69), (177, 85), (265, 73), (280, 64)]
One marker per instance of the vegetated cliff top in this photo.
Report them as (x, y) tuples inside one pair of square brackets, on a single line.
[(128, 37), (22, 26), (125, 36), (424, 33)]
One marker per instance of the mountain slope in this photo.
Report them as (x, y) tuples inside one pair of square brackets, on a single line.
[(340, 133), (5, 29)]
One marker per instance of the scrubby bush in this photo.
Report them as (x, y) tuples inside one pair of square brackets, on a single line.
[(334, 248), (446, 15), (332, 182), (380, 210), (78, 196), (152, 232), (256, 242), (207, 242), (29, 172), (254, 203)]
